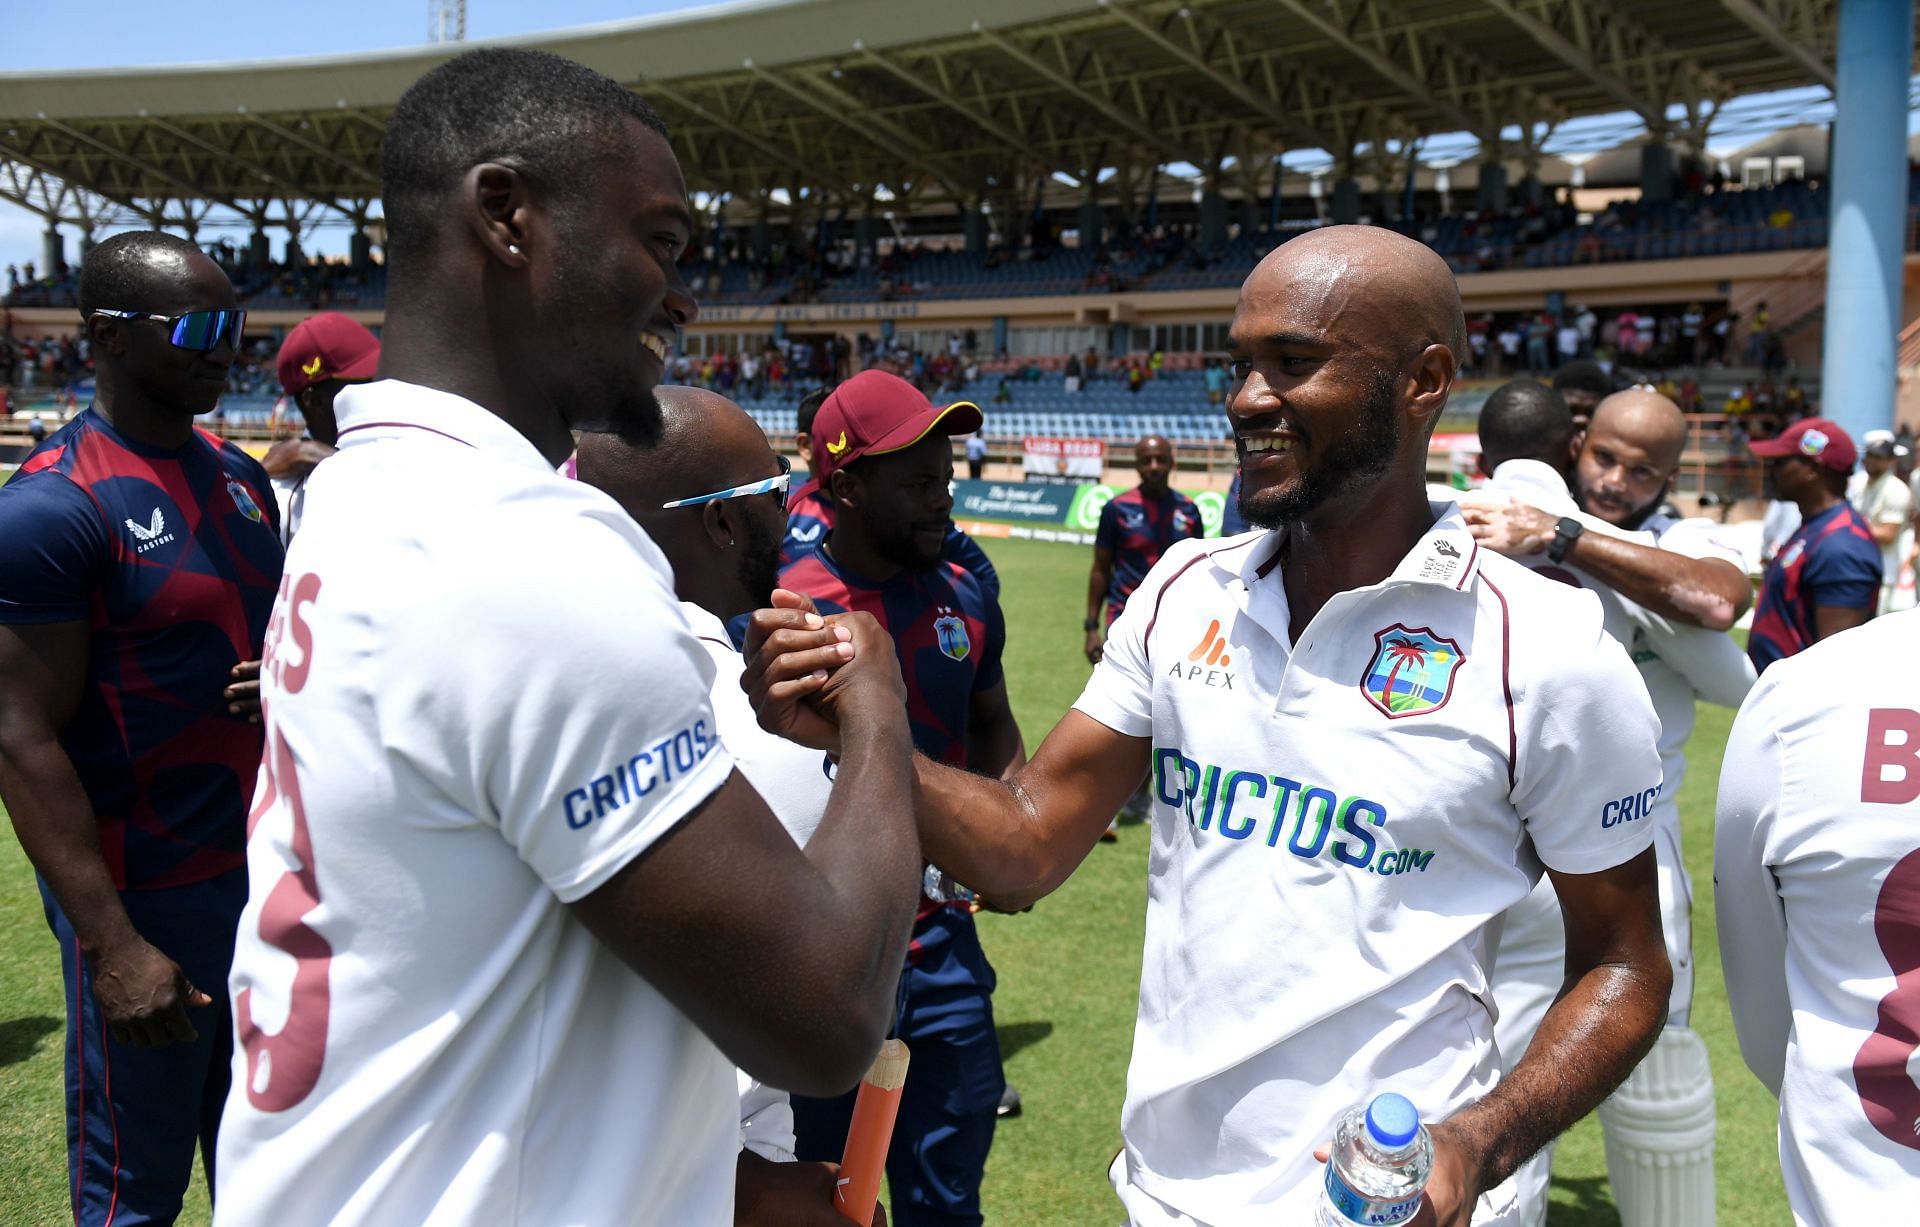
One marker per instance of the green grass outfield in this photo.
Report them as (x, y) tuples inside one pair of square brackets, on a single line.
[(1069, 975)]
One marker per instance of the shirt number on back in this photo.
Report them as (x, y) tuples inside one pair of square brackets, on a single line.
[(1888, 1093), (284, 1066)]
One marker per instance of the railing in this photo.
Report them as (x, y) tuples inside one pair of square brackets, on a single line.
[(1907, 360)]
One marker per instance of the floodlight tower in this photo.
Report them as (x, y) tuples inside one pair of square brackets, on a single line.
[(447, 21)]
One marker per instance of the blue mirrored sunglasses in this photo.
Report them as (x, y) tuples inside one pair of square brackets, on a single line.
[(200, 331), (766, 485)]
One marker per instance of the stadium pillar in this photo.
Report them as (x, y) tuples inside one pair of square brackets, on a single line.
[(360, 251), (1346, 200), (1119, 339), (1090, 220), (1868, 198), (863, 236), (53, 252), (1213, 218), (258, 253), (1273, 206), (999, 334), (1656, 168), (1493, 185)]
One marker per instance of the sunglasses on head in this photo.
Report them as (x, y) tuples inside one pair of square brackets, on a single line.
[(200, 331), (766, 485)]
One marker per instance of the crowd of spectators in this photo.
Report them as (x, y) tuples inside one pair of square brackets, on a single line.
[(738, 266)]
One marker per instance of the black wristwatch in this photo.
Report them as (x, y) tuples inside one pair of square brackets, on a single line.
[(1091, 624), (1565, 533)]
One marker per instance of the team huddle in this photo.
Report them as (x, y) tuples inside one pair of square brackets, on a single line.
[(513, 803)]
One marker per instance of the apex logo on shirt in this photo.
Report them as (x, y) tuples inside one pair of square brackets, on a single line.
[(1207, 662), (153, 535), (1412, 671), (951, 634)]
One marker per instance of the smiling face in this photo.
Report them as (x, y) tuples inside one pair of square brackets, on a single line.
[(613, 302), (1336, 374)]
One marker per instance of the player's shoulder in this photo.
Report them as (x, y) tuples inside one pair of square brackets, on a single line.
[(1539, 612), (967, 587), (812, 575), (45, 483), (1213, 554)]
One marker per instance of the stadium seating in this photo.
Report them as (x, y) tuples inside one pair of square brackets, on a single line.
[(1792, 215)]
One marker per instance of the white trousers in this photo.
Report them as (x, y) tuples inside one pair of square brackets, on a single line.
[(1531, 965)]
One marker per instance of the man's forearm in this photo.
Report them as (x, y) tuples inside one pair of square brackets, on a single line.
[(55, 824), (1588, 1043), (1703, 592), (1098, 583), (983, 832), (858, 855)]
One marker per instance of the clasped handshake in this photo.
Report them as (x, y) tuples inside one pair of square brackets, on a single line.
[(808, 676)]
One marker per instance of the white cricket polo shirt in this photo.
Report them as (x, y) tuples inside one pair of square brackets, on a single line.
[(1817, 879), (1335, 823), (482, 701), (795, 783)]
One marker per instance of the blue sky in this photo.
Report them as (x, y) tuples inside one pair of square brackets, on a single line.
[(124, 33)]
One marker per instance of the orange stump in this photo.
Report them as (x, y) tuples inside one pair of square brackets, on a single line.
[(865, 1158)]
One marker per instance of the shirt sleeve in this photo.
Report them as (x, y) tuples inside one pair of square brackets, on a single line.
[(1587, 769), (589, 723), (1197, 524), (992, 671), (766, 1120), (1700, 538), (1843, 572), (1751, 917), (1107, 535), (1120, 692), (53, 550), (967, 552), (1893, 505)]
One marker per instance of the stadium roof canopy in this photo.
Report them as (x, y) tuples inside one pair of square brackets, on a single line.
[(954, 101)]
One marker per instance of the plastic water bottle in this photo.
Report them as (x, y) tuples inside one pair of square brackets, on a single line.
[(1381, 1158), (936, 885)]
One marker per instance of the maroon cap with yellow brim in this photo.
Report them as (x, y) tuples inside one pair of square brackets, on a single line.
[(875, 413)]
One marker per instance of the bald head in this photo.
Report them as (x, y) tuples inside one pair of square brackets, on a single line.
[(725, 553), (1346, 342), (706, 443), (1339, 272), (1630, 456), (1646, 419)]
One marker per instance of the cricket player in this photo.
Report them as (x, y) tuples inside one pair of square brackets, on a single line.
[(1816, 872), (1531, 449), (139, 557), (711, 493), (1323, 876), (810, 512), (322, 355), (885, 453), (509, 929)]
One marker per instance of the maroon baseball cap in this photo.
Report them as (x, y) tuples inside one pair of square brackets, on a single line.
[(1818, 439), (875, 413), (323, 347)]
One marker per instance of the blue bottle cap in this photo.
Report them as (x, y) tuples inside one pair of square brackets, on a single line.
[(1392, 1120)]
